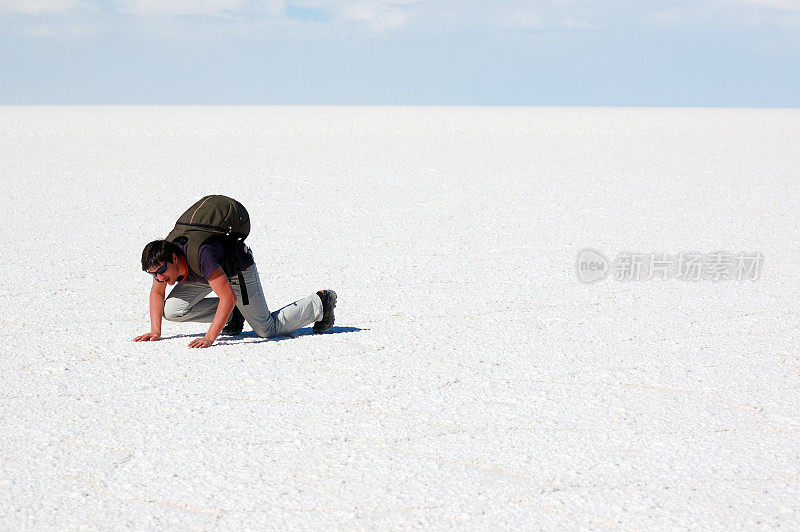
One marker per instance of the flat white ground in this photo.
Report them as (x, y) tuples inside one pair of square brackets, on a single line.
[(470, 381)]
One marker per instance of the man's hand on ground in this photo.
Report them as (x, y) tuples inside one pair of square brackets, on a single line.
[(201, 342), (149, 337)]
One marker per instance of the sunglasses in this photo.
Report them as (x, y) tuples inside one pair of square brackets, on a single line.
[(159, 271)]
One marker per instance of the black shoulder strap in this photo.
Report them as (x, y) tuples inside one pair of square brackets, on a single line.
[(230, 265)]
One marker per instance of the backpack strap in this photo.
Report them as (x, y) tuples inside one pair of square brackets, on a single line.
[(232, 249), (243, 288)]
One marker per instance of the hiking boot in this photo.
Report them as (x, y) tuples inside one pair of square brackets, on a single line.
[(235, 323), (328, 298)]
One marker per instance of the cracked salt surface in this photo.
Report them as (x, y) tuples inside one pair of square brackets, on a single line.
[(470, 381)]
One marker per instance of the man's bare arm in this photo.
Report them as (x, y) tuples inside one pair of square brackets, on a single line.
[(157, 292), (227, 300)]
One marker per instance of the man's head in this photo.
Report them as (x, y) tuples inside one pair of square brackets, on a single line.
[(160, 259)]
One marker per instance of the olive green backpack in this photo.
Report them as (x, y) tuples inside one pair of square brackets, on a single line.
[(214, 216)]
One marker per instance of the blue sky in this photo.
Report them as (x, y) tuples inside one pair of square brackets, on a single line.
[(731, 53)]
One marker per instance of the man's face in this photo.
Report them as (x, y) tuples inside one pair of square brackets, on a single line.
[(170, 271)]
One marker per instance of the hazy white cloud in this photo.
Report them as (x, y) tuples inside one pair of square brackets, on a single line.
[(270, 7), (534, 22), (526, 20), (199, 7), (252, 17), (63, 20), (178, 7), (36, 7), (783, 5), (558, 15), (577, 24), (741, 13), (377, 15), (69, 32)]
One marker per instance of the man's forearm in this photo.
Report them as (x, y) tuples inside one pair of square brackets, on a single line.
[(156, 312)]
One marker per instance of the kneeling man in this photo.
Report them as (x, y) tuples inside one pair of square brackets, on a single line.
[(221, 267)]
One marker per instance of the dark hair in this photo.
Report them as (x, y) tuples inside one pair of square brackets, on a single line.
[(159, 251)]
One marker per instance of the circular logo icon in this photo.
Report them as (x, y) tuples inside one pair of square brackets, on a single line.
[(591, 266)]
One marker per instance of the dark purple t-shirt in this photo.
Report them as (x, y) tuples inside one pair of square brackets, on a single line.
[(211, 255)]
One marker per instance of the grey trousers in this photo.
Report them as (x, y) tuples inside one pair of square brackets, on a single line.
[(188, 302)]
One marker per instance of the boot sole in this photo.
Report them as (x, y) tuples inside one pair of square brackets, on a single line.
[(326, 322)]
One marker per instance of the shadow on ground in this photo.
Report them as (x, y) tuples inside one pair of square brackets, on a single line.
[(249, 337)]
